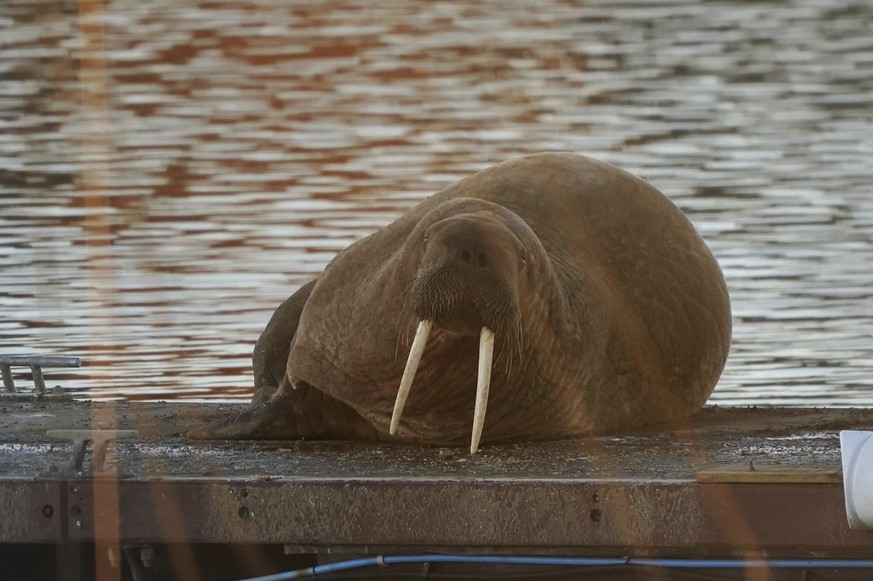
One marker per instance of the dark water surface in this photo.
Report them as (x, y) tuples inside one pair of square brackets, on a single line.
[(170, 171)]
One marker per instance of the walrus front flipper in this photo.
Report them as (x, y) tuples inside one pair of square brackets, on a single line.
[(270, 356), (301, 413), (266, 421)]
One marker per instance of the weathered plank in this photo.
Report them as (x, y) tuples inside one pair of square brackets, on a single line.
[(752, 473)]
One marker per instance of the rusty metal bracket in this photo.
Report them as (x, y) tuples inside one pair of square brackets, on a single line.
[(36, 364), (100, 438)]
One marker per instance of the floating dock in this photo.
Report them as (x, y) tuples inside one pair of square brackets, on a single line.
[(729, 482)]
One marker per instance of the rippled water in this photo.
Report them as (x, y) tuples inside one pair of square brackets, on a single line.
[(171, 171)]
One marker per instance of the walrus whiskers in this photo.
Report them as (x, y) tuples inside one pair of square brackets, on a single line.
[(415, 353), (483, 383)]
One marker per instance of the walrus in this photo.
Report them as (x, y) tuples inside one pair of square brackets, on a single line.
[(561, 295)]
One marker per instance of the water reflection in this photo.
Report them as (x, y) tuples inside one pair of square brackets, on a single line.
[(169, 173)]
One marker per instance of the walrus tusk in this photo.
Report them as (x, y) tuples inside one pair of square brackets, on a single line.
[(412, 362), (483, 383)]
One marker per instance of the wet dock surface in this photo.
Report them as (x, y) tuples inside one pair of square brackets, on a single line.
[(715, 437), (706, 486), (170, 172)]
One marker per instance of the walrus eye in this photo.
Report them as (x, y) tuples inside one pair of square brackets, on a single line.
[(425, 237)]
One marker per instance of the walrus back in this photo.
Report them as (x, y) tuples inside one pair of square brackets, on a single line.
[(666, 299)]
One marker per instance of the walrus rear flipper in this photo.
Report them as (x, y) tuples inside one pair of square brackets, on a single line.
[(302, 413), (270, 356)]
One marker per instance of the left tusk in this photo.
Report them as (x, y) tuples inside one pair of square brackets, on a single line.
[(483, 383), (415, 353)]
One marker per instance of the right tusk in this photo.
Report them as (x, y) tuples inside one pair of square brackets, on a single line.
[(412, 362), (483, 383)]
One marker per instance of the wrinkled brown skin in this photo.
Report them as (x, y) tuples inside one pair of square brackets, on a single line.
[(608, 308)]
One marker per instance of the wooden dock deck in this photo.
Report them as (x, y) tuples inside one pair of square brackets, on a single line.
[(729, 482)]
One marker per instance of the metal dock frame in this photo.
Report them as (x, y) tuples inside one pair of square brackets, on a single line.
[(36, 363)]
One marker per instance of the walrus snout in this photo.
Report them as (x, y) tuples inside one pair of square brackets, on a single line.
[(479, 241), (468, 249), (467, 276)]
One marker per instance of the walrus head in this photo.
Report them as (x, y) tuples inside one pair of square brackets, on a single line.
[(466, 283)]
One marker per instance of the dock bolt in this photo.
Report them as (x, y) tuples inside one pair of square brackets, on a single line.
[(147, 556)]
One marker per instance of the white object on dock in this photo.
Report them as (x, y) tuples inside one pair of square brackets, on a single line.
[(856, 450)]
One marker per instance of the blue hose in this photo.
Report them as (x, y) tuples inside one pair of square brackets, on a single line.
[(381, 560)]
